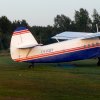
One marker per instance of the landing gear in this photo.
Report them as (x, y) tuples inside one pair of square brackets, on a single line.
[(31, 66), (98, 64)]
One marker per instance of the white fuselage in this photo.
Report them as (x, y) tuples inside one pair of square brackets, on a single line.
[(60, 51)]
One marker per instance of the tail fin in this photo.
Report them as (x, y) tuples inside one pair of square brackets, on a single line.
[(21, 38)]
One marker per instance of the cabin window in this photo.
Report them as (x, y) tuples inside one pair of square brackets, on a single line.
[(97, 44), (89, 45), (93, 44), (84, 46)]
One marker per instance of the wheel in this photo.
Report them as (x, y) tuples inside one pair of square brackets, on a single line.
[(98, 64)]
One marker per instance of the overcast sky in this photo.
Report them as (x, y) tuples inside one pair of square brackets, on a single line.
[(42, 12)]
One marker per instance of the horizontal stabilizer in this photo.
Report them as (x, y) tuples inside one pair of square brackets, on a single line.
[(24, 46)]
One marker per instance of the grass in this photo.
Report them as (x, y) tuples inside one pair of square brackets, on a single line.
[(49, 81)]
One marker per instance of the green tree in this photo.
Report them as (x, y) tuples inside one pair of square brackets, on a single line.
[(62, 23), (5, 29), (5, 25), (42, 34), (82, 20), (18, 23), (24, 23), (73, 26), (96, 20)]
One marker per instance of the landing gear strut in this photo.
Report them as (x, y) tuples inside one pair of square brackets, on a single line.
[(31, 66), (98, 64)]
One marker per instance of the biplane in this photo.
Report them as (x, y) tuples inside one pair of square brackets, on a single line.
[(76, 46)]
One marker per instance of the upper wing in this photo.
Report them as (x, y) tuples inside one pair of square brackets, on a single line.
[(91, 36), (74, 35)]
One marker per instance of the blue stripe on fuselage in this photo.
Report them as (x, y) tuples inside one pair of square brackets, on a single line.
[(66, 57)]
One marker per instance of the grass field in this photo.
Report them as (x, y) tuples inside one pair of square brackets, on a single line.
[(49, 82)]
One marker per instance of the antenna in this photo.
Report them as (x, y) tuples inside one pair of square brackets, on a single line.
[(97, 28)]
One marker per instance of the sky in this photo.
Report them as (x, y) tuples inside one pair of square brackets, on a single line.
[(43, 12)]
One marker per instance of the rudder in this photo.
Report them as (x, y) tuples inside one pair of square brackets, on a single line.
[(21, 37)]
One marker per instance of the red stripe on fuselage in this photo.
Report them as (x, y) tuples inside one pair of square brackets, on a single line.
[(21, 32), (54, 53)]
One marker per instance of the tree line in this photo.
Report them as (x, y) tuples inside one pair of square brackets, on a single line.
[(82, 22)]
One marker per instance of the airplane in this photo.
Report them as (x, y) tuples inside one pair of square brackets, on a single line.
[(76, 46)]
